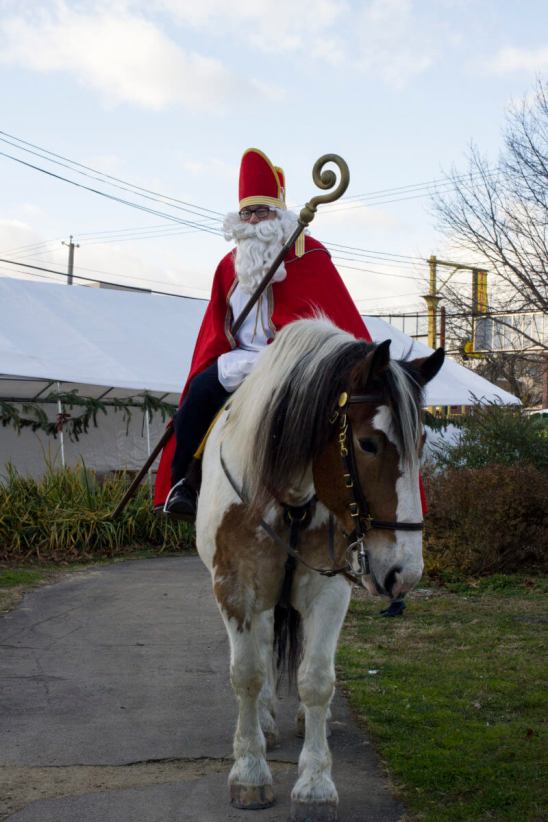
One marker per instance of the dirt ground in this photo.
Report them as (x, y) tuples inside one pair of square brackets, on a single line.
[(19, 786)]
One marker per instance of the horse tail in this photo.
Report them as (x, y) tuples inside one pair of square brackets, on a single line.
[(287, 628)]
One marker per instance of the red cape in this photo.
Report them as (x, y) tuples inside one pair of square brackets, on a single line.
[(312, 283)]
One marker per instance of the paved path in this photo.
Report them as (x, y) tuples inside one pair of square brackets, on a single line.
[(115, 706)]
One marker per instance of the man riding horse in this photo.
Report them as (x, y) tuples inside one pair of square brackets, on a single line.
[(305, 284), (311, 477)]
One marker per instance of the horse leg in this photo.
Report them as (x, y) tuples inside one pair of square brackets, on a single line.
[(267, 696), (314, 796), (299, 722), (250, 780)]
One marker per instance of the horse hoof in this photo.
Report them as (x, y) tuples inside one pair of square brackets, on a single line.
[(313, 811), (251, 797)]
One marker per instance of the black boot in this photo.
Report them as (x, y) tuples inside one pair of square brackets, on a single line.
[(182, 500)]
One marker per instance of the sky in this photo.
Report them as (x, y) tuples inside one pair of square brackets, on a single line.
[(166, 95)]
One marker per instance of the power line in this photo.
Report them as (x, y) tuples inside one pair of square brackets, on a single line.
[(345, 202), (151, 290), (341, 264), (105, 177), (175, 232), (339, 253), (368, 300), (383, 253), (336, 207), (30, 246), (384, 197), (137, 189), (380, 258), (393, 314), (130, 203), (120, 230), (92, 236), (411, 187), (94, 280), (131, 277)]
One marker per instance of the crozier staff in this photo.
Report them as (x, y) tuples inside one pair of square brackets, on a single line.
[(305, 283)]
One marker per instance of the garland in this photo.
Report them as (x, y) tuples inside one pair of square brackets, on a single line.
[(32, 415), (440, 423)]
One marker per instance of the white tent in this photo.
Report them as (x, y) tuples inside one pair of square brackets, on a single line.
[(117, 344)]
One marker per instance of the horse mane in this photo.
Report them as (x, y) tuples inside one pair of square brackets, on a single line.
[(279, 417)]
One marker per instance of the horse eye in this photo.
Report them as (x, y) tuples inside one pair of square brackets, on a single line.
[(368, 445)]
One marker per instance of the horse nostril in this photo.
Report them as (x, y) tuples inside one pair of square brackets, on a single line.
[(392, 581)]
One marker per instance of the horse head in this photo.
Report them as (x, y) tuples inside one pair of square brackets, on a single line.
[(368, 475)]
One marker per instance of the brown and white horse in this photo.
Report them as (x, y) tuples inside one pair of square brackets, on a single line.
[(326, 428)]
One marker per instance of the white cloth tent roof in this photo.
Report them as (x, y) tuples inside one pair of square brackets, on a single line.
[(127, 342)]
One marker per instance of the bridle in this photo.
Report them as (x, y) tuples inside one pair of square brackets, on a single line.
[(357, 504), (299, 517)]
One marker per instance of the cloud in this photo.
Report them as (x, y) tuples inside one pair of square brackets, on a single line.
[(514, 59), (271, 92), (152, 264), (20, 241), (355, 218), (14, 234), (395, 43), (273, 26), (123, 56), (212, 167)]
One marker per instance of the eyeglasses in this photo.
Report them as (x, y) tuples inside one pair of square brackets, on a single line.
[(261, 213)]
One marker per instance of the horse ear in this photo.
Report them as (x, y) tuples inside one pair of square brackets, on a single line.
[(381, 358), (428, 367), (373, 363)]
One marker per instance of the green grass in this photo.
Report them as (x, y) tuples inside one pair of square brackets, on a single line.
[(459, 702), (9, 577)]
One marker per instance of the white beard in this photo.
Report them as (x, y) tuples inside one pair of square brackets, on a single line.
[(257, 246)]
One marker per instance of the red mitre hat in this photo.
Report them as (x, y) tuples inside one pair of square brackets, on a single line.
[(261, 183)]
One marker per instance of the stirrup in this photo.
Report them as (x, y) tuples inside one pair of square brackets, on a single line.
[(171, 490)]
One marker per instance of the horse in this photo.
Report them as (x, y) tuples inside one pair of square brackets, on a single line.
[(310, 483)]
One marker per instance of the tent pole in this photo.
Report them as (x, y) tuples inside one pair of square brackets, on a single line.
[(60, 426), (147, 423), (166, 436)]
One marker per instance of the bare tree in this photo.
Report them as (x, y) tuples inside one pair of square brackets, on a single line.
[(521, 374), (499, 215), (520, 371)]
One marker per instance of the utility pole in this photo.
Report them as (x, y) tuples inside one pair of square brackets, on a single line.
[(479, 297), (442, 326), (71, 247), (432, 301)]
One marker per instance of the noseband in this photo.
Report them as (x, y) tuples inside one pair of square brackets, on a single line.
[(357, 505)]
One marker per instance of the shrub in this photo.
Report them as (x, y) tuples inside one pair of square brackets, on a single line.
[(487, 520), (65, 517), (497, 434)]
